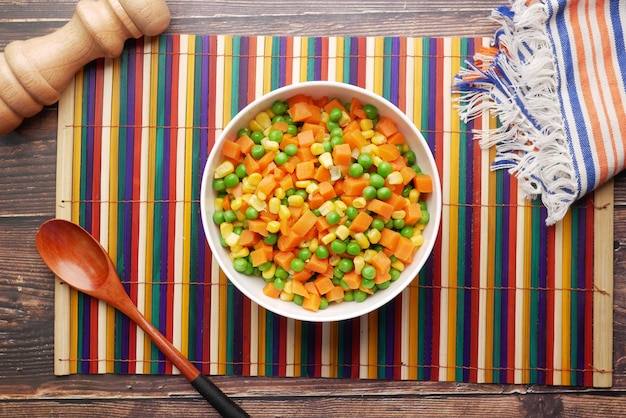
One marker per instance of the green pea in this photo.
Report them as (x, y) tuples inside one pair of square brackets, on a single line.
[(281, 158), (368, 272), (290, 192), (251, 213), (406, 190), (356, 170), (304, 254), (323, 303), (378, 223), (279, 107), (370, 111), (242, 132), (348, 296), (298, 299), (241, 171), (416, 168), (398, 224), (353, 248), (395, 274), (376, 180), (275, 135), (265, 266), (223, 243), (257, 136), (335, 114), (384, 193), (345, 265), (231, 180), (249, 270), (331, 124), (359, 295), (322, 252), (384, 168), (369, 192), (384, 285), (351, 212), (297, 265), (333, 217), (292, 129), (278, 118), (328, 147), (271, 239), (316, 212), (338, 273), (218, 185), (281, 273), (425, 217), (336, 140), (302, 193), (257, 151), (344, 285), (336, 131), (230, 216), (279, 283), (410, 157), (407, 231), (240, 264), (218, 216), (238, 230), (291, 150), (367, 283), (338, 246), (365, 160)]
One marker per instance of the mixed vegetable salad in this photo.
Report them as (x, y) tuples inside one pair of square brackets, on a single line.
[(322, 199)]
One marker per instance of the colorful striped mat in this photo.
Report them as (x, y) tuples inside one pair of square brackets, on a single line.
[(503, 299)]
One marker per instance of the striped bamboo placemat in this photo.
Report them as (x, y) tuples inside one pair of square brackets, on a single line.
[(503, 299)]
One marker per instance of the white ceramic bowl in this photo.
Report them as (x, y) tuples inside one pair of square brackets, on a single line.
[(252, 286)]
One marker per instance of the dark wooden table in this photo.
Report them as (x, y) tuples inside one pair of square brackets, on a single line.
[(27, 198)]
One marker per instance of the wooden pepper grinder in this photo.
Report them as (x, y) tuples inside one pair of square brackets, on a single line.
[(33, 73)]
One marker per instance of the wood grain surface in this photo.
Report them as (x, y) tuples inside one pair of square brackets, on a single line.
[(27, 190)]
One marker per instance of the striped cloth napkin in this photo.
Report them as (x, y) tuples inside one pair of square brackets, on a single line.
[(555, 76)]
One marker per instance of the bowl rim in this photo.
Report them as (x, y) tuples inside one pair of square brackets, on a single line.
[(372, 302)]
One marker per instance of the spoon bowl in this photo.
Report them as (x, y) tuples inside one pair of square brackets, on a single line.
[(78, 259)]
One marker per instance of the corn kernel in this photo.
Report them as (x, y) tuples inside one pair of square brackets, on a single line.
[(359, 202), (218, 203), (302, 184), (273, 205), (367, 134), (312, 188), (378, 139), (270, 145), (359, 263), (254, 179), (373, 235), (334, 260), (304, 243), (344, 119), (286, 297), (236, 203), (342, 232), (273, 227), (262, 196), (284, 212), (288, 287), (377, 160), (420, 227), (226, 228), (368, 255), (326, 207), (362, 240), (366, 124), (340, 207), (295, 200), (246, 187), (269, 273), (417, 240), (257, 203), (240, 217), (398, 214), (395, 178), (328, 238), (253, 125), (414, 196), (317, 148), (232, 239), (313, 244), (369, 149), (398, 265), (324, 117), (224, 169), (240, 252), (326, 160), (263, 119), (279, 192)]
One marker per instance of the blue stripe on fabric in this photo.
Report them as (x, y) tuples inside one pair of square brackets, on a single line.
[(574, 128)]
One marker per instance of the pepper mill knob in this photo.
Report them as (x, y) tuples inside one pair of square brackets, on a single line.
[(33, 73)]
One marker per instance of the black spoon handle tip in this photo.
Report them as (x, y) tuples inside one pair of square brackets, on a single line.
[(222, 403)]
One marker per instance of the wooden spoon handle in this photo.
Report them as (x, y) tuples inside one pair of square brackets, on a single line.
[(33, 73)]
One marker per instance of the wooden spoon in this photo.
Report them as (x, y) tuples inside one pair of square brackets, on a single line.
[(80, 261)]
